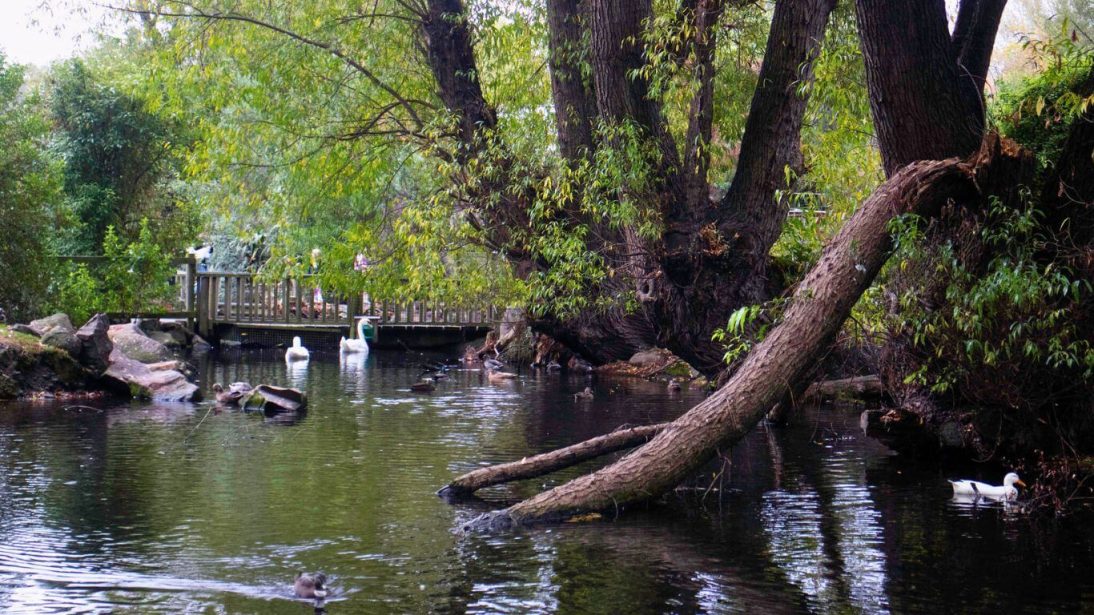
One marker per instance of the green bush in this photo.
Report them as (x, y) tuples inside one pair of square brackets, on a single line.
[(131, 278)]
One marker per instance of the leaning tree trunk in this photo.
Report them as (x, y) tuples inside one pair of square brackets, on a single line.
[(816, 313)]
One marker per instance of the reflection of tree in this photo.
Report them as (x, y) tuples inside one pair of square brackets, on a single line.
[(824, 529), (641, 565)]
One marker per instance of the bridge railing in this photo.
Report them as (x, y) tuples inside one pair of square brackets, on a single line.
[(240, 298)]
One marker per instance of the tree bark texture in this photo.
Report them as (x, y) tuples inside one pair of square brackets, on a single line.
[(974, 38), (452, 60), (771, 141), (575, 100), (817, 311), (924, 108)]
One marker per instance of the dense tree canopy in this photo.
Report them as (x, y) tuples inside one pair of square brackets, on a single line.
[(29, 189)]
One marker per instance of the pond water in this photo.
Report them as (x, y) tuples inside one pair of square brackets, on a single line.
[(143, 508)]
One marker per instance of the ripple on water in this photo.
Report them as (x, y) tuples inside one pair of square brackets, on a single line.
[(158, 508)]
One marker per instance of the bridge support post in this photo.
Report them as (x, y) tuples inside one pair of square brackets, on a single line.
[(203, 306), (191, 291)]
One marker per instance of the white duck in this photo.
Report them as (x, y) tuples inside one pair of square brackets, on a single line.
[(296, 352), (976, 488), (355, 345)]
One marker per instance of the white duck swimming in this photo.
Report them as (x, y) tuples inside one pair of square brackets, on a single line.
[(976, 488), (296, 352), (355, 345)]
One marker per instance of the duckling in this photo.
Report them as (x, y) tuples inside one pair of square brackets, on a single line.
[(587, 394), (674, 387), (233, 394), (310, 585), (297, 352), (425, 385)]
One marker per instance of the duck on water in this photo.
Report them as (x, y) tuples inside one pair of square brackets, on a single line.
[(310, 585), (297, 352), (1007, 491)]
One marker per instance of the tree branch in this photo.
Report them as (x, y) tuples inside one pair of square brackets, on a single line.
[(330, 48)]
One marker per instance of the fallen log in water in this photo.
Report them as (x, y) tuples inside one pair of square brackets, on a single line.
[(857, 387), (538, 465)]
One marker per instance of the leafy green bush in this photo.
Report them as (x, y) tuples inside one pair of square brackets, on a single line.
[(77, 293), (131, 277)]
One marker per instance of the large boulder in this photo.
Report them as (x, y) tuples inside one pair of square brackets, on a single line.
[(42, 326), (143, 382), (133, 343), (95, 344), (59, 337)]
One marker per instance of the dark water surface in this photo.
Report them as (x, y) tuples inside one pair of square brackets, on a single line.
[(143, 508)]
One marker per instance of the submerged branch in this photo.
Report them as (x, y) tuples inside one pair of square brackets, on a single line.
[(538, 465)]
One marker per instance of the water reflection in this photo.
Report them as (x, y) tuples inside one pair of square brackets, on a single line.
[(296, 374), (168, 508)]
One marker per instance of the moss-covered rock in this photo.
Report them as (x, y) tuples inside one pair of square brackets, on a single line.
[(28, 366)]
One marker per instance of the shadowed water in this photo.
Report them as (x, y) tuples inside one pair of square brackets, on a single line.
[(141, 508)]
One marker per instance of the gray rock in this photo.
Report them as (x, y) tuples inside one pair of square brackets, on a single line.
[(198, 343), (166, 339), (645, 358), (133, 343), (180, 333), (950, 434), (149, 325), (145, 383), (95, 344), (58, 337), (49, 323), (25, 329)]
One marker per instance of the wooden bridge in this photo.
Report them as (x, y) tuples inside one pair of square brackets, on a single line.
[(243, 308), (246, 309)]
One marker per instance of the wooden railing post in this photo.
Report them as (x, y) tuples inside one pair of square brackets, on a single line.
[(203, 306)]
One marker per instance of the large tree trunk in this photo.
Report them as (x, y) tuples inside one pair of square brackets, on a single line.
[(816, 313), (725, 263), (923, 106), (709, 260), (575, 101)]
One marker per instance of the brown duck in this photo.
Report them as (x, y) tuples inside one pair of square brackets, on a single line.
[(310, 585)]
